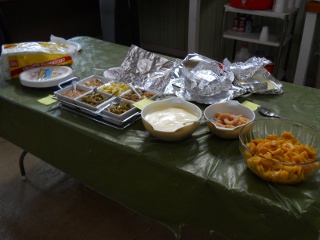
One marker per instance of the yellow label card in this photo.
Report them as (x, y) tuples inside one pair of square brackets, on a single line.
[(250, 105), (47, 100), (144, 102)]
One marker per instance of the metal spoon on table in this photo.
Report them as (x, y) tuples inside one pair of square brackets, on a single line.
[(267, 112)]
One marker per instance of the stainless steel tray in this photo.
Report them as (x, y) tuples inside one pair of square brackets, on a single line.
[(99, 117)]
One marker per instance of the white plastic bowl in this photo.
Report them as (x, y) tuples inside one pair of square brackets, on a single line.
[(233, 107), (180, 133)]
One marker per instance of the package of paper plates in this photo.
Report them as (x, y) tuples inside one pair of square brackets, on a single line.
[(19, 57)]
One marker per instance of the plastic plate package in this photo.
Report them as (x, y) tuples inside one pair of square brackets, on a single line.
[(19, 57), (70, 44)]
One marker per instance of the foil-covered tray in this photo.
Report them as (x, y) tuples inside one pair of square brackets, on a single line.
[(252, 76), (197, 78)]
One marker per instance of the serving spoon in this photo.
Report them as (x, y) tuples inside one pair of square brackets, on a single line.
[(134, 90), (267, 112), (200, 121), (115, 101)]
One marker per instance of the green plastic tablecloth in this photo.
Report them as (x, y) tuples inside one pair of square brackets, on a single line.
[(201, 181)]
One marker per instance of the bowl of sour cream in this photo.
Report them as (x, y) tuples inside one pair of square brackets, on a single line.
[(171, 119)]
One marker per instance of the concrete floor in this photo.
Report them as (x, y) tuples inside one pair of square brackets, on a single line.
[(51, 205)]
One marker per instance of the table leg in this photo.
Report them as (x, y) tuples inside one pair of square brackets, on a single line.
[(22, 170), (305, 48)]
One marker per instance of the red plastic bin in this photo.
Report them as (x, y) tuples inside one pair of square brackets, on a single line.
[(252, 4)]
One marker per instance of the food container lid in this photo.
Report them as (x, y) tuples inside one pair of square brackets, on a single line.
[(46, 76)]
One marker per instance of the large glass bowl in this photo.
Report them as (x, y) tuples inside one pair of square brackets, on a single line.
[(280, 161)]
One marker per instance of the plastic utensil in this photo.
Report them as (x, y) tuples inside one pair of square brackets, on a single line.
[(74, 84), (133, 89), (116, 101), (200, 121)]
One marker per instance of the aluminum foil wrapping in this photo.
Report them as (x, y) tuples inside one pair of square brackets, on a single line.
[(197, 78), (252, 76), (145, 69), (203, 80), (245, 70)]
